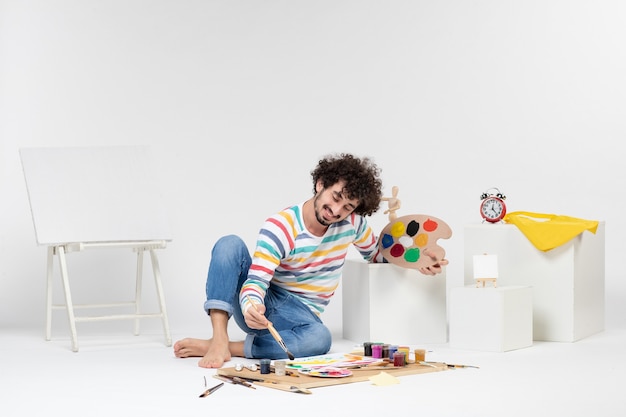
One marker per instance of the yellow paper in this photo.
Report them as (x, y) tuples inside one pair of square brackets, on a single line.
[(384, 378), (548, 231)]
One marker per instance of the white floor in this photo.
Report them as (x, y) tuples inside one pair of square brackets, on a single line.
[(116, 374)]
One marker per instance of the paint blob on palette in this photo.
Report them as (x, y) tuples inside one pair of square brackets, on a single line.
[(405, 238), (327, 372)]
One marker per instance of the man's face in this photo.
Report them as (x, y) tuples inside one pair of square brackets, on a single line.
[(331, 204)]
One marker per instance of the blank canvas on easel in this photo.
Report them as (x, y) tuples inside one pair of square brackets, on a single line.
[(485, 266), (95, 198), (94, 194)]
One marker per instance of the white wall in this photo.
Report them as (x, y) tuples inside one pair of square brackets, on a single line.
[(239, 99)]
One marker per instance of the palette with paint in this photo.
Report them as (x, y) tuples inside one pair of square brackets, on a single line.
[(326, 372), (404, 239)]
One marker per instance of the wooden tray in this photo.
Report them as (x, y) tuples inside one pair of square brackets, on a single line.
[(358, 375)]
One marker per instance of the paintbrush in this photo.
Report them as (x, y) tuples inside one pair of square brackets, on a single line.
[(211, 390), (283, 387), (274, 332), (460, 366), (235, 380)]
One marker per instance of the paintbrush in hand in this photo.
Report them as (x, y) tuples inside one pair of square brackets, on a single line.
[(274, 333)]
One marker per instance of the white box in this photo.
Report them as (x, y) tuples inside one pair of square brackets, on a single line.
[(567, 282), (491, 319), (390, 304)]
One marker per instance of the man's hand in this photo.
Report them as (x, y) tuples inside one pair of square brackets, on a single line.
[(436, 267), (255, 316)]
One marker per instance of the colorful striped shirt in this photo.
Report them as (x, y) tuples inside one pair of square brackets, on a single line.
[(308, 266)]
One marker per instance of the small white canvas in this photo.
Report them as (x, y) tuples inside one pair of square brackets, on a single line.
[(485, 266)]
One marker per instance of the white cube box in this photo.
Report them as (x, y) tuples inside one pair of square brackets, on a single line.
[(491, 319), (390, 304), (567, 282)]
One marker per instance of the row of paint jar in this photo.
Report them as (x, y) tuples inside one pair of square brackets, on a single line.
[(384, 351)]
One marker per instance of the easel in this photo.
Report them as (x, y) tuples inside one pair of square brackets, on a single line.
[(485, 280), (96, 198), (485, 270)]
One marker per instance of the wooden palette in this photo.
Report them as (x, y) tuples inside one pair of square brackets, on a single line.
[(404, 239), (358, 375)]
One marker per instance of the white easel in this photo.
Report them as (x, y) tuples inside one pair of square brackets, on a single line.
[(96, 198)]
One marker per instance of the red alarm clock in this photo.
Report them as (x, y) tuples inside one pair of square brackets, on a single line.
[(492, 207)]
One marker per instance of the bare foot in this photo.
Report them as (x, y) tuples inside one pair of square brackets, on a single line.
[(216, 355), (188, 347), (213, 352)]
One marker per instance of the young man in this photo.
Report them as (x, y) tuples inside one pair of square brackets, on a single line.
[(295, 268)]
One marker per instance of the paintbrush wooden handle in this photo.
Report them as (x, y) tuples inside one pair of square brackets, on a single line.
[(274, 332), (283, 387)]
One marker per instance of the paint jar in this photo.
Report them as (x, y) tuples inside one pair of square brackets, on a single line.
[(280, 368), (265, 366), (385, 351), (398, 359), (392, 349), (377, 351), (420, 355), (367, 349), (405, 350)]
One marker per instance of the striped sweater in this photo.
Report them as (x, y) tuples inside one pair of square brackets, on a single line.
[(306, 265)]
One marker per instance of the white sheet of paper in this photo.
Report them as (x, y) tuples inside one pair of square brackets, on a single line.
[(384, 378)]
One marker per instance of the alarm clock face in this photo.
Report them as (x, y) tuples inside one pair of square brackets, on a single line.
[(492, 209)]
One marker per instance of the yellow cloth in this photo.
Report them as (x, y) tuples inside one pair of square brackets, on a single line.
[(547, 231)]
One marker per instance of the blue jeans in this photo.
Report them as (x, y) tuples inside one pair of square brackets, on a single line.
[(302, 330)]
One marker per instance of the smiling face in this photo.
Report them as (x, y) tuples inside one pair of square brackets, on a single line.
[(331, 205)]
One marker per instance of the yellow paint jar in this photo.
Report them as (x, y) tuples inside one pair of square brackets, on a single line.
[(405, 350)]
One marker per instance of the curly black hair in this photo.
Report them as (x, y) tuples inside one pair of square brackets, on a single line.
[(361, 175)]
